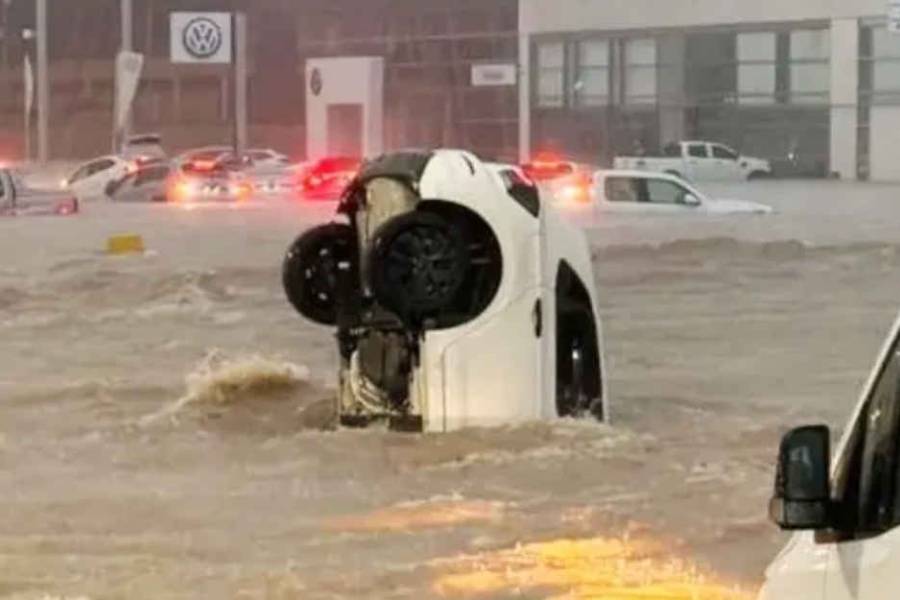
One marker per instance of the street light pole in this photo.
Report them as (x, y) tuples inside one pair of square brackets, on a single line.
[(127, 26), (43, 86)]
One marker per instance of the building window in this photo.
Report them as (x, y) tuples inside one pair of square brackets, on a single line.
[(640, 71), (810, 65), (757, 67), (592, 73), (550, 74), (885, 61)]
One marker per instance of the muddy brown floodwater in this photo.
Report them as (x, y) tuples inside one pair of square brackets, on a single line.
[(158, 414)]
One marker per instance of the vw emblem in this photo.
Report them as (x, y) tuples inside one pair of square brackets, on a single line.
[(202, 38), (315, 82)]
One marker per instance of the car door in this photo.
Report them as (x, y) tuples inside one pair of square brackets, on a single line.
[(697, 162), (864, 559), (727, 163)]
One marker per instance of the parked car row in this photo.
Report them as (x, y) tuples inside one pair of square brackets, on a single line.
[(143, 173)]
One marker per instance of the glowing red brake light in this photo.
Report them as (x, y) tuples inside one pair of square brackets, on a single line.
[(203, 165)]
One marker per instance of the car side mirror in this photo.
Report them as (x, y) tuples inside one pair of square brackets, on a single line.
[(690, 200), (802, 496)]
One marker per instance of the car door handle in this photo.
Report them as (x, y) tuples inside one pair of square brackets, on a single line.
[(537, 318)]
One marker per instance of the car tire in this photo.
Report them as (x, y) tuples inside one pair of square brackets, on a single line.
[(757, 175), (417, 264), (314, 267), (579, 389)]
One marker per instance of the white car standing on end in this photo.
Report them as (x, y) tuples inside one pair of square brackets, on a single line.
[(845, 508), (641, 192), (459, 298), (700, 161)]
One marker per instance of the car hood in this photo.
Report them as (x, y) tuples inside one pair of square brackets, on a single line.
[(728, 206)]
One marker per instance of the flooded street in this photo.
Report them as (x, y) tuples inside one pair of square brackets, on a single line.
[(160, 415)]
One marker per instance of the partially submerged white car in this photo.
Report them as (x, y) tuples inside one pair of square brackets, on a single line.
[(459, 299), (657, 193), (90, 180), (846, 508)]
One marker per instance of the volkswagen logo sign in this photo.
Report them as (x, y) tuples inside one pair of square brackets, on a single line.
[(202, 38), (315, 82)]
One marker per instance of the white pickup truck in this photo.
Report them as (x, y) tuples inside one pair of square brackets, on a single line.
[(699, 161)]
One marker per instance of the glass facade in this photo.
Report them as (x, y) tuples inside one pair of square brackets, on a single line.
[(551, 74), (592, 73), (756, 68)]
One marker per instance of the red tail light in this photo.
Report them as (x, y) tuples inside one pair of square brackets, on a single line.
[(203, 165)]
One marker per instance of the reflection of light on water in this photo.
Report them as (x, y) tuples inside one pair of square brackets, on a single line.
[(419, 515), (595, 568)]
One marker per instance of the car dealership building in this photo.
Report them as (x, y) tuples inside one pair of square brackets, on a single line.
[(816, 79)]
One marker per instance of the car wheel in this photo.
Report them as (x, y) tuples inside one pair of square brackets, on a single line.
[(314, 267), (417, 265), (579, 389), (757, 175)]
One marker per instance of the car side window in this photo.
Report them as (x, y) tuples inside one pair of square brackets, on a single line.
[(522, 191), (672, 150), (878, 508), (80, 173), (723, 153), (697, 151), (100, 166), (622, 189), (664, 192), (868, 477)]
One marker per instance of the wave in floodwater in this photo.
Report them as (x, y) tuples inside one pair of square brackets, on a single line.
[(245, 391)]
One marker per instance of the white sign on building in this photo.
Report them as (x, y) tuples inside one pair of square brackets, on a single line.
[(201, 37), (893, 16), (493, 74)]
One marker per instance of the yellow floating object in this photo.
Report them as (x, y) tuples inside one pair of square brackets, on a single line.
[(125, 244)]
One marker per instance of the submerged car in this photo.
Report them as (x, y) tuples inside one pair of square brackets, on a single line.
[(222, 181), (657, 193), (327, 178), (90, 179), (844, 508), (148, 183), (459, 299), (17, 198)]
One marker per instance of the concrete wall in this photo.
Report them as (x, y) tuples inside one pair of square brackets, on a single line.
[(357, 80), (884, 141), (537, 16)]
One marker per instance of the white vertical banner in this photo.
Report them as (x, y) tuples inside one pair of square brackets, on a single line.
[(893, 16), (129, 66), (28, 70), (29, 87)]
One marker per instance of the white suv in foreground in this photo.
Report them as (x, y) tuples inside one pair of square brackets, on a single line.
[(846, 512)]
